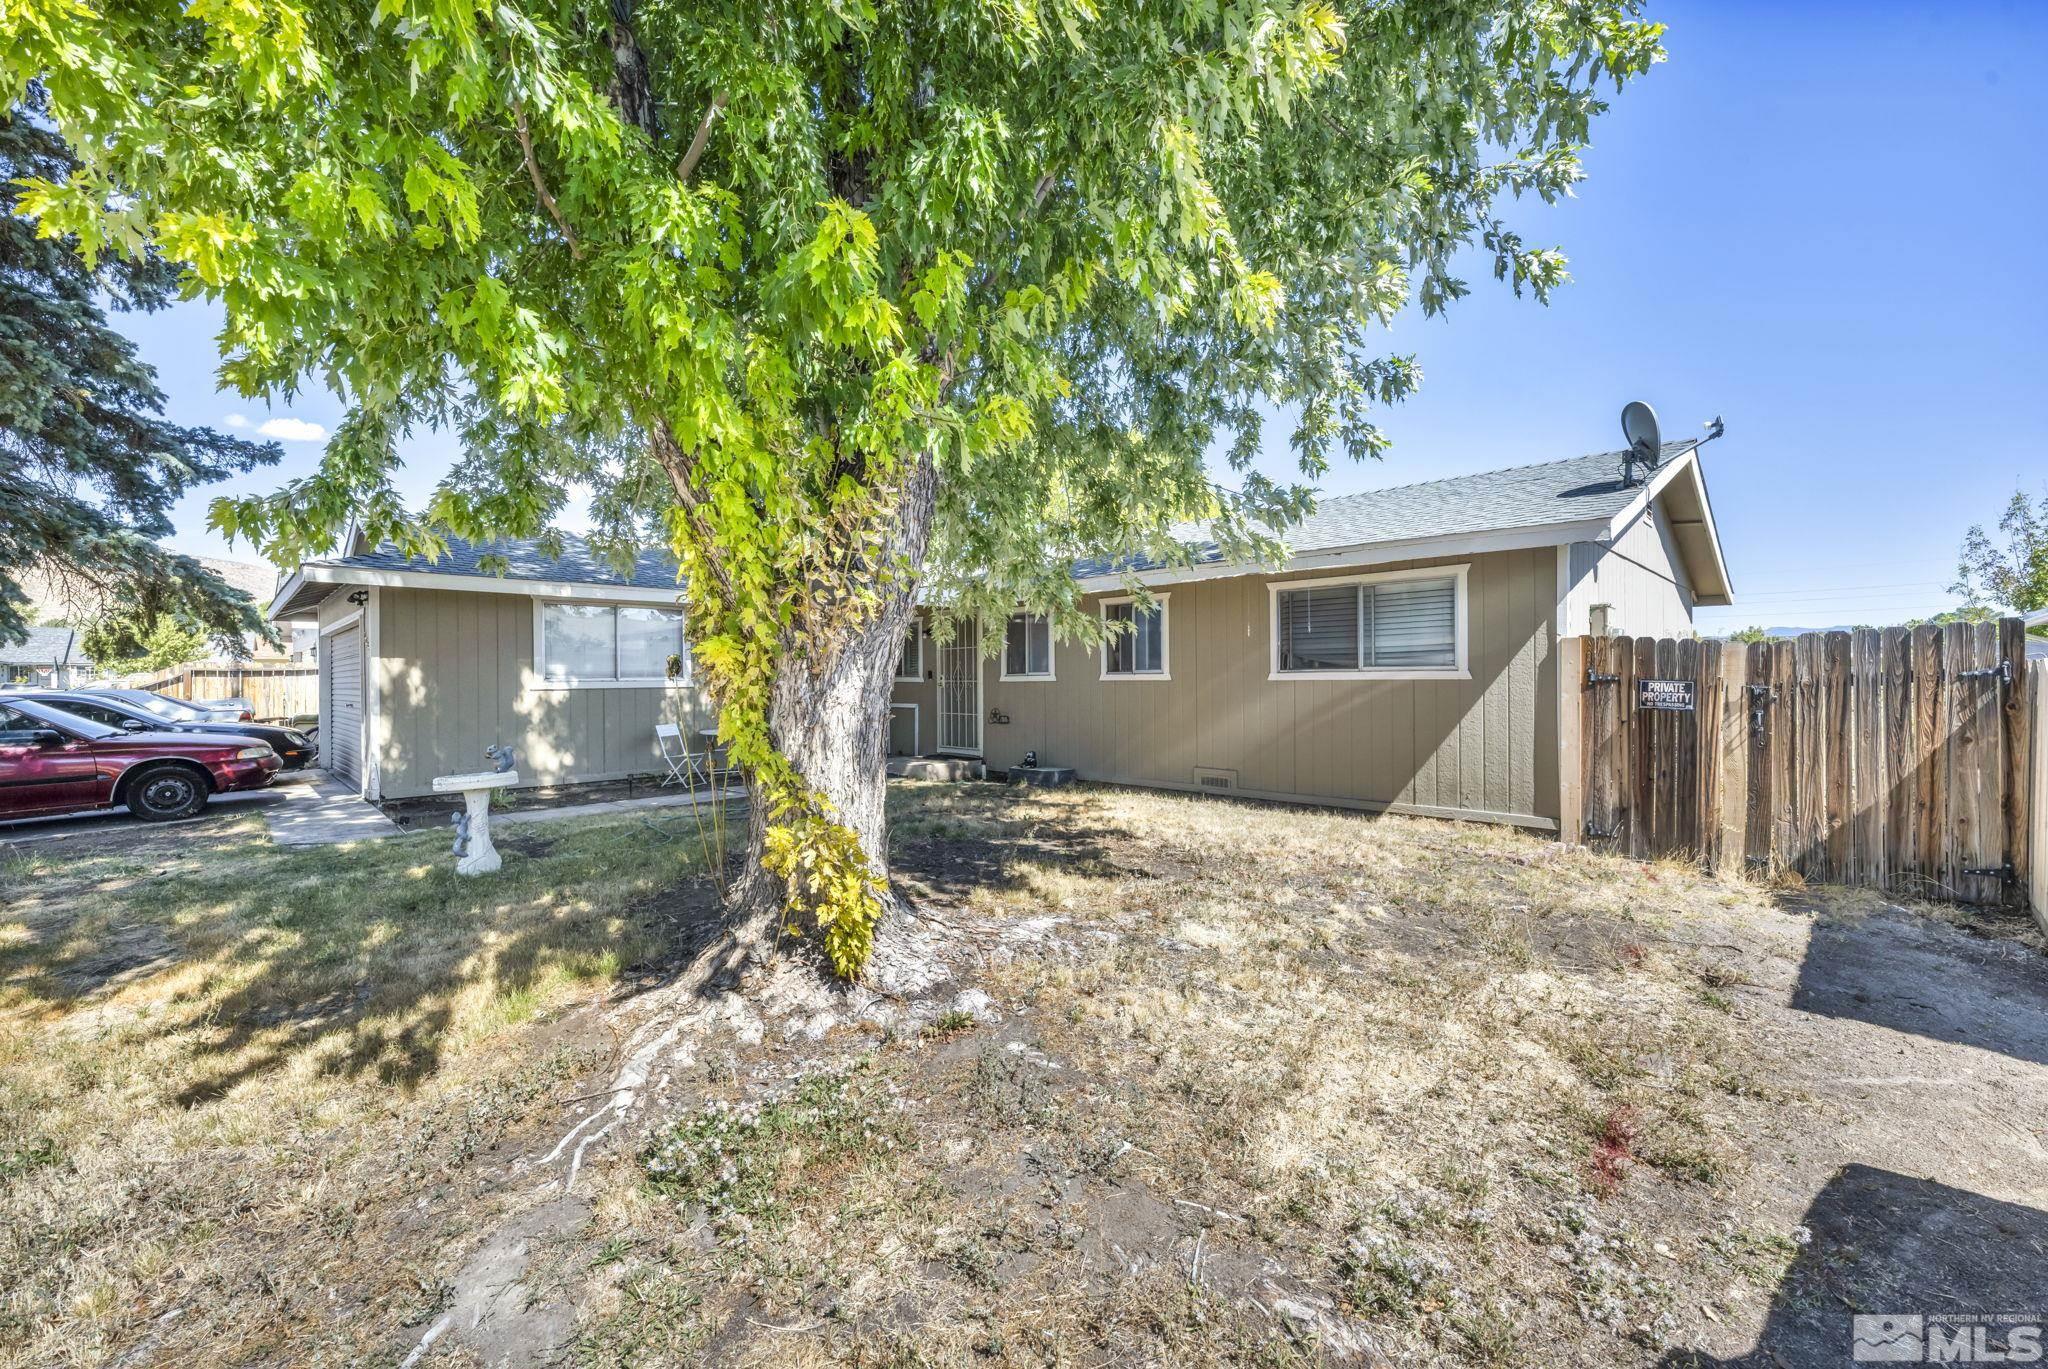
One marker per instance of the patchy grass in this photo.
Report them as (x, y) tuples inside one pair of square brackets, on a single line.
[(225, 1065), (1260, 1086)]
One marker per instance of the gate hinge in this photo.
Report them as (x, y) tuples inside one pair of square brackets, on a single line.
[(1602, 834), (1999, 872), (1593, 678), (2003, 670)]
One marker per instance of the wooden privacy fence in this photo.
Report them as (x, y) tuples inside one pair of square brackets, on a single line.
[(2037, 795), (276, 689), (1899, 759)]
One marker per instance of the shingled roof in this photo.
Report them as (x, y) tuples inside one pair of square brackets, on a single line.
[(44, 646), (1569, 491), (1569, 494), (523, 560)]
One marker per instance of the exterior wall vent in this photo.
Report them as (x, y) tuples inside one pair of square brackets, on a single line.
[(1209, 777)]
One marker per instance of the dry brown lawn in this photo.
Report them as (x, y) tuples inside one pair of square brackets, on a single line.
[(1248, 1085)]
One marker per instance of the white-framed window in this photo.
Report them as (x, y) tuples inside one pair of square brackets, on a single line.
[(1138, 652), (910, 657), (1027, 648), (1396, 625), (597, 646)]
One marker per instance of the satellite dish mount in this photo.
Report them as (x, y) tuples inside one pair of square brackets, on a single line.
[(1645, 441)]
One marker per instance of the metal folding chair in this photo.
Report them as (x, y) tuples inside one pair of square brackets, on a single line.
[(685, 767)]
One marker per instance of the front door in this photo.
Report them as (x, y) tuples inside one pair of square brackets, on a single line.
[(960, 692)]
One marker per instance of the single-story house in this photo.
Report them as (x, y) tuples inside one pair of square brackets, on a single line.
[(50, 656), (1404, 658)]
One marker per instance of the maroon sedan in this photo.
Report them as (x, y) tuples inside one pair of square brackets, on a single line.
[(57, 762)]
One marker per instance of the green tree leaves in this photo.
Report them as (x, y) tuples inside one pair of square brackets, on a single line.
[(90, 468)]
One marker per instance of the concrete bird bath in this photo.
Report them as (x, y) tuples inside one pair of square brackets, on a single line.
[(473, 826)]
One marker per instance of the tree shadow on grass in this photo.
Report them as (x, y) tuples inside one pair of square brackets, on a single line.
[(950, 842), (358, 962), (1892, 1247)]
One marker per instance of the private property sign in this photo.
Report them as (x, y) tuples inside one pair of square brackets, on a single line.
[(1669, 696)]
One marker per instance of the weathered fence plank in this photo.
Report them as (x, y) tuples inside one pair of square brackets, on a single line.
[(2035, 674), (1901, 759), (274, 689)]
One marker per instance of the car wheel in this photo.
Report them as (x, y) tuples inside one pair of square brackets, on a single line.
[(166, 793)]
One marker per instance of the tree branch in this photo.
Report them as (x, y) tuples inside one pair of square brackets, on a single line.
[(682, 474), (540, 186), (701, 140), (632, 86)]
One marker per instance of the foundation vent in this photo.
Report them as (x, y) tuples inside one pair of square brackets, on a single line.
[(1209, 777)]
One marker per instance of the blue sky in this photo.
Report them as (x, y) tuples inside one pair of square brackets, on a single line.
[(1821, 221)]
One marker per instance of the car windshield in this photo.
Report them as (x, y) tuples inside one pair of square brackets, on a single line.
[(49, 715), (166, 707)]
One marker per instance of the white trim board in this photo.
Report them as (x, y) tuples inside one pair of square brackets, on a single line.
[(373, 697), (349, 619)]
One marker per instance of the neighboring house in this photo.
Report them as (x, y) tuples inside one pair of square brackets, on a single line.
[(50, 657), (1403, 659)]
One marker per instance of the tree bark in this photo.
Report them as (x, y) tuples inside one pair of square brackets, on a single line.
[(828, 714)]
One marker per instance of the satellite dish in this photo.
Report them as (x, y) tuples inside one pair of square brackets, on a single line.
[(1639, 426)]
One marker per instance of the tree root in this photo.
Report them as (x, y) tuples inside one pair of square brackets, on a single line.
[(908, 963)]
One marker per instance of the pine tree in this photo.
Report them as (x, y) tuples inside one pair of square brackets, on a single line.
[(89, 469)]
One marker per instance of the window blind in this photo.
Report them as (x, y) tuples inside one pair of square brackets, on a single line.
[(1415, 623), (1394, 624), (1320, 628)]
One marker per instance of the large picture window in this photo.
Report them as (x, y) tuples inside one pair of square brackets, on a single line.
[(1027, 648), (609, 644), (1137, 652), (1404, 624)]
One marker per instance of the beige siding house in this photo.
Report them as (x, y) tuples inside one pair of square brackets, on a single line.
[(1404, 659), (423, 666)]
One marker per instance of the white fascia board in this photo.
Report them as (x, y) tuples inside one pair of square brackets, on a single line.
[(293, 583), (318, 574), (1370, 554)]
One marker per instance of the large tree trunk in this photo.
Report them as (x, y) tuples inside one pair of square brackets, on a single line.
[(829, 717)]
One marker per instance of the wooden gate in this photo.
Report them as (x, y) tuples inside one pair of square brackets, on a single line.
[(1897, 759)]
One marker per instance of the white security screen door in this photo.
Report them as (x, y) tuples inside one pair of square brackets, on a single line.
[(960, 691)]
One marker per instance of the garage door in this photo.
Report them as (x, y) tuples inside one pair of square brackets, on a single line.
[(341, 720)]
